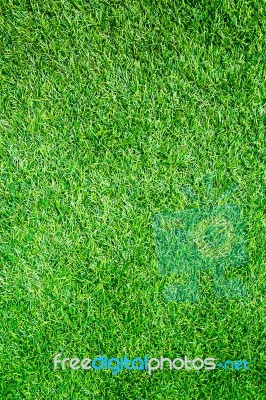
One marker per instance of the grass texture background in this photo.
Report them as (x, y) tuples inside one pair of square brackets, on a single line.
[(108, 109)]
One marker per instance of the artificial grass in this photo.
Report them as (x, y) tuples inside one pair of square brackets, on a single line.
[(107, 110)]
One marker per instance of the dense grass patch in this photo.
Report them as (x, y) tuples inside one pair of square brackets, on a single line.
[(108, 109)]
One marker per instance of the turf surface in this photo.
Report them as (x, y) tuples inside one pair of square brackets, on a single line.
[(108, 109)]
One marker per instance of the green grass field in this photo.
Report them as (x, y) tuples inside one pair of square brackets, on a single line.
[(108, 109)]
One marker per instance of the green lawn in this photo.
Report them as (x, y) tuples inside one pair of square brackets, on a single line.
[(108, 109)]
